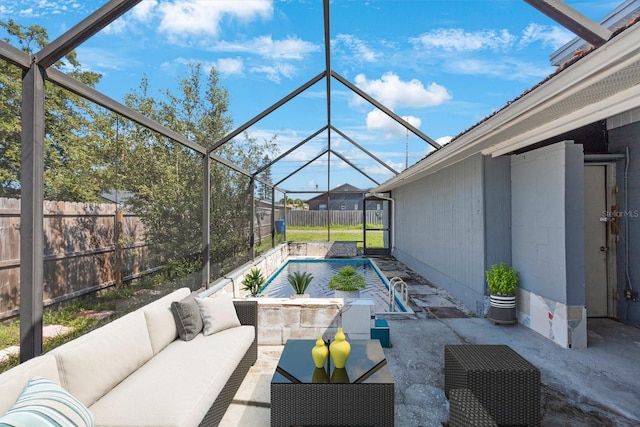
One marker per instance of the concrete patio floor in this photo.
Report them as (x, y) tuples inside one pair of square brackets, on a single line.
[(596, 386)]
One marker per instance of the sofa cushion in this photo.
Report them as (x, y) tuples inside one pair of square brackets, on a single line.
[(218, 313), (94, 363), (187, 317), (12, 382), (178, 386), (160, 322), (44, 403)]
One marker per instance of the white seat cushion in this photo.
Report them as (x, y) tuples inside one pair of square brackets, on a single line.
[(94, 363), (178, 386)]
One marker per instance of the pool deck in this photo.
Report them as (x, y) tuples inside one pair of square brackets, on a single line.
[(596, 386)]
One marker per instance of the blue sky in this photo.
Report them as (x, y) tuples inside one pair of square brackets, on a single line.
[(442, 65)]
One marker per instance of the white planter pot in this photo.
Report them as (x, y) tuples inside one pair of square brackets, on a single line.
[(500, 301), (502, 310), (347, 295)]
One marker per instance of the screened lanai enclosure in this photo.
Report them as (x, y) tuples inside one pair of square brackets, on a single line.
[(130, 199), (159, 192)]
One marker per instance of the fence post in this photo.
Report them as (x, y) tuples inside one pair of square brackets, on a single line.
[(118, 226)]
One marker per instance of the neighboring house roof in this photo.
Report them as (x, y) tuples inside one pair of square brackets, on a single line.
[(116, 196), (344, 188), (595, 85)]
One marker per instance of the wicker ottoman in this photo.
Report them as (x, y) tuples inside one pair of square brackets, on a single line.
[(466, 411), (505, 384)]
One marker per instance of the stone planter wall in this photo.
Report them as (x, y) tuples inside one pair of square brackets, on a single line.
[(280, 319)]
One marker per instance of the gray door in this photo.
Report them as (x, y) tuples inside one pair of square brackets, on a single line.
[(595, 240)]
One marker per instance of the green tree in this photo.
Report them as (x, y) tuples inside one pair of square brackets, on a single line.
[(75, 160), (166, 177)]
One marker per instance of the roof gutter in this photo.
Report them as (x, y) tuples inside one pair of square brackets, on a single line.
[(619, 53)]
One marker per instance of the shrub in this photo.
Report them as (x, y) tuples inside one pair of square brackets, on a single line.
[(347, 279), (252, 281), (300, 281), (502, 280)]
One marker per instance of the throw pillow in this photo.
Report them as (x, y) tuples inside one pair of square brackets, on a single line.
[(44, 403), (187, 316), (218, 313)]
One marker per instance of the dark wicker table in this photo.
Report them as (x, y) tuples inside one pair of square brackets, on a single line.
[(505, 384), (361, 394)]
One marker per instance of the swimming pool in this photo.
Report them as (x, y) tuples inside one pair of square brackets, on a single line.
[(277, 286)]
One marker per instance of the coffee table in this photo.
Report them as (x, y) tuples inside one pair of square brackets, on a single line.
[(361, 394)]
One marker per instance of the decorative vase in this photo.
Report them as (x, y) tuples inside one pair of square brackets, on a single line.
[(319, 353), (339, 350)]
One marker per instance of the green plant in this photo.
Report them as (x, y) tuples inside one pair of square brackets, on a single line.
[(300, 281), (502, 280), (252, 281), (347, 279)]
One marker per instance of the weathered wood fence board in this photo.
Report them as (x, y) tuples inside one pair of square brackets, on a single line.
[(319, 218), (81, 249)]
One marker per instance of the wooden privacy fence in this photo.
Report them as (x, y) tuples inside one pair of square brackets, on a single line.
[(319, 218), (87, 246)]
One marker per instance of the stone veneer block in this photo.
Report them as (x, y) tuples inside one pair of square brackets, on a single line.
[(564, 325), (320, 315)]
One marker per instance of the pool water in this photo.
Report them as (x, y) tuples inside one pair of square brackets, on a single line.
[(277, 286)]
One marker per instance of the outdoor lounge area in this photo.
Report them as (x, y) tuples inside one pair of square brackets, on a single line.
[(586, 387), (161, 265)]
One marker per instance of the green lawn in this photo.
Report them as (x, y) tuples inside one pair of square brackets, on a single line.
[(338, 233)]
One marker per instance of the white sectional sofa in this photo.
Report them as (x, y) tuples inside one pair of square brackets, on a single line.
[(136, 371)]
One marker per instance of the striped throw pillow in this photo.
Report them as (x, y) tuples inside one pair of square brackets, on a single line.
[(44, 403)]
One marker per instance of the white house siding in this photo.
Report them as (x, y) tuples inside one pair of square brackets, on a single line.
[(439, 229), (547, 220)]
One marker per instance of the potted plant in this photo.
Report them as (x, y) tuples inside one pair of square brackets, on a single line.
[(502, 283), (300, 281), (252, 281), (347, 283)]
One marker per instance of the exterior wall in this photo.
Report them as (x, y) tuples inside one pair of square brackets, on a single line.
[(497, 206), (439, 228), (547, 220), (625, 133)]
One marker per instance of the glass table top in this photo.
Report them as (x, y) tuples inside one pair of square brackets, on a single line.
[(366, 364)]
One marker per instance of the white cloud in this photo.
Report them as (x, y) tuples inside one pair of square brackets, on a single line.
[(378, 169), (265, 46), (357, 48), (191, 17), (506, 68), (392, 92), (554, 36), (144, 10), (377, 120), (229, 66), (459, 40), (312, 184), (444, 140), (275, 72)]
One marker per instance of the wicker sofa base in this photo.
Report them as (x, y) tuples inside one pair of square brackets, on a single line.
[(247, 314)]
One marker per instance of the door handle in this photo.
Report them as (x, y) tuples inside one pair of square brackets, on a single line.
[(603, 249)]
